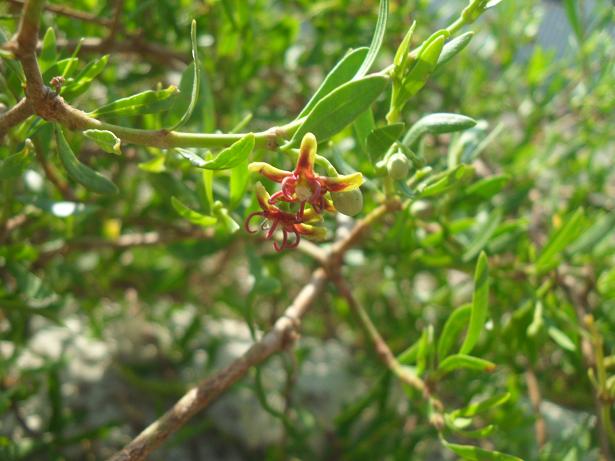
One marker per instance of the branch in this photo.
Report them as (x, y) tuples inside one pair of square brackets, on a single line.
[(52, 107), (14, 116), (70, 13), (280, 337)]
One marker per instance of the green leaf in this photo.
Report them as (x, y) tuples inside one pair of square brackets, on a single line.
[(193, 216), (603, 226), (401, 55), (374, 47), (438, 185), (208, 183), (480, 304), (436, 124), (343, 72), (380, 139), (488, 187), (471, 453), (85, 78), (147, 102), (196, 80), (561, 339), (483, 235), (453, 48), (550, 255), (14, 165), (340, 108), (425, 64), (572, 11), (606, 284), (362, 127), (468, 362), (455, 323), (61, 67), (226, 159), (84, 175), (48, 55), (225, 218), (475, 408), (105, 139), (238, 183)]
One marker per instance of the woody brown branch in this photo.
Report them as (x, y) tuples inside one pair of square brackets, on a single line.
[(280, 337)]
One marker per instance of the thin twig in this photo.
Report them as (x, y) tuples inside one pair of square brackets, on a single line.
[(70, 13), (14, 116), (533, 390)]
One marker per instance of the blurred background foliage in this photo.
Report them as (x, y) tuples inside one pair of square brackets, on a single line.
[(99, 333)]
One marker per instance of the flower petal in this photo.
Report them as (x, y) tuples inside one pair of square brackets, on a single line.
[(313, 232), (268, 171), (307, 155), (342, 182), (263, 197)]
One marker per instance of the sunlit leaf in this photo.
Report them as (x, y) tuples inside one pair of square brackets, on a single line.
[(81, 173), (340, 108), (480, 304), (193, 216)]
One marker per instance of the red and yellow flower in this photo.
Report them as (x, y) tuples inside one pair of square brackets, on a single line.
[(303, 185), (289, 223)]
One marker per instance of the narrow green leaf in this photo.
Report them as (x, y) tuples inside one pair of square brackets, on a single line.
[(468, 362), (60, 67), (472, 453), (558, 242), (147, 102), (340, 108), (422, 69), (84, 79), (475, 408), (14, 165), (362, 127), (455, 323), (488, 187), (343, 72), (105, 139), (453, 48), (401, 55), (229, 157), (436, 124), (196, 80), (606, 284), (574, 18), (193, 216), (48, 55), (78, 171), (238, 183), (208, 183), (374, 47), (225, 219), (603, 226), (483, 235), (480, 304), (380, 139), (561, 339), (439, 185)]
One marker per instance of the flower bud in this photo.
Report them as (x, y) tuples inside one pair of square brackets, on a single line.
[(398, 166), (349, 202)]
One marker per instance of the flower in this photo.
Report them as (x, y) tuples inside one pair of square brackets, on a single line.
[(288, 223), (304, 185)]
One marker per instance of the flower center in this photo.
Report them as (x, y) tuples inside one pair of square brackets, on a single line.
[(303, 191)]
